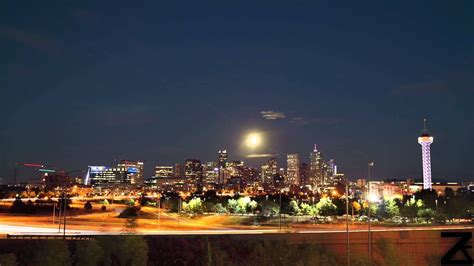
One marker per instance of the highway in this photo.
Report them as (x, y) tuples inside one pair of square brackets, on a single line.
[(36, 230)]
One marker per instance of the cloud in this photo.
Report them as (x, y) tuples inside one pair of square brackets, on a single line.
[(260, 155), (31, 39), (271, 115)]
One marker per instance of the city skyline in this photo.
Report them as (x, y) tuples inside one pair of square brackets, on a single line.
[(291, 163), (162, 83)]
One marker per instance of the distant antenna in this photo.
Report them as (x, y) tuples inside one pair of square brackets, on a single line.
[(315, 148), (425, 131)]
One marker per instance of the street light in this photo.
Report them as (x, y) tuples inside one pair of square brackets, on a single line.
[(347, 222), (63, 204), (369, 165), (279, 211)]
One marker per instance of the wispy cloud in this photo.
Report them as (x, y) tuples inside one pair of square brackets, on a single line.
[(271, 115), (260, 155), (31, 39)]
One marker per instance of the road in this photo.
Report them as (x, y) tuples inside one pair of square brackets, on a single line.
[(35, 230)]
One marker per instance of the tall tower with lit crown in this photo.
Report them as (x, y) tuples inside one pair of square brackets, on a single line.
[(425, 141)]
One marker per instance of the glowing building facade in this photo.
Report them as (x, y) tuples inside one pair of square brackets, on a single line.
[(316, 165), (102, 176), (293, 170), (425, 141), (137, 177)]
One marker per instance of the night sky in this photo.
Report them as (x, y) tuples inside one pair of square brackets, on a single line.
[(90, 82)]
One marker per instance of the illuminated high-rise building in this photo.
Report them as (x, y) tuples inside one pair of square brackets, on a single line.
[(193, 173), (101, 176), (222, 158), (210, 175), (164, 171), (293, 170), (425, 141), (178, 170), (316, 168), (135, 167), (304, 174), (269, 170)]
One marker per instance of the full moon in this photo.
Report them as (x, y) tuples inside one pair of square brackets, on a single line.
[(253, 140)]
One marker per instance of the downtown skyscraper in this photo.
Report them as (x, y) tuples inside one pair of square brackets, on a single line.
[(293, 170), (316, 169)]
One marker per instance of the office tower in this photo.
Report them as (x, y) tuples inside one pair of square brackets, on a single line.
[(193, 173), (425, 141), (316, 169), (332, 167), (210, 175), (102, 176), (222, 158), (164, 171), (304, 174), (135, 167), (293, 170), (269, 171), (178, 170)]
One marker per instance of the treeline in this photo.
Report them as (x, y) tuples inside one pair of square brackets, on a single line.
[(199, 250), (424, 206), (19, 206)]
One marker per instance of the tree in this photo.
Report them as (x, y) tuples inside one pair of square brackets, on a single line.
[(356, 205), (426, 214), (365, 208), (294, 208), (18, 206), (51, 253), (193, 206), (459, 208), (218, 208), (252, 206), (325, 207), (208, 206), (129, 212), (143, 200), (448, 192), (123, 250), (8, 259), (428, 197), (242, 204), (387, 209), (87, 253), (88, 206), (270, 208), (232, 205), (411, 207), (308, 209), (133, 251)]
